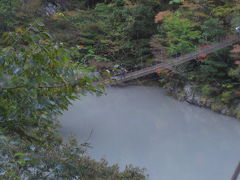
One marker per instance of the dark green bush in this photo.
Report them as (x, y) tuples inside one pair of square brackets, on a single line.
[(20, 159)]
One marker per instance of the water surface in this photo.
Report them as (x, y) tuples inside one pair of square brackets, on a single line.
[(144, 127)]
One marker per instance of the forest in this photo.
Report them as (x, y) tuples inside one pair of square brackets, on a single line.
[(48, 48)]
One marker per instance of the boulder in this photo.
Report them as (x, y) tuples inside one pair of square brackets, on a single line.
[(189, 92), (50, 9)]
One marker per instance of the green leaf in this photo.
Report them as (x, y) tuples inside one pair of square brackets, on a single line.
[(20, 154)]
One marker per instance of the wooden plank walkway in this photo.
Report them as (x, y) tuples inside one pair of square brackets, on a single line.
[(169, 63)]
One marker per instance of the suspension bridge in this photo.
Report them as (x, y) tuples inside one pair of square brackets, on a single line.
[(167, 64), (172, 62)]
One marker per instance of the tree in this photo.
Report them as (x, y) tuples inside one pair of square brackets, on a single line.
[(161, 15), (38, 80), (234, 72), (7, 14), (178, 34), (139, 22), (23, 160), (213, 30)]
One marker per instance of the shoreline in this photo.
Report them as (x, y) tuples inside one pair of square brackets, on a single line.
[(189, 95)]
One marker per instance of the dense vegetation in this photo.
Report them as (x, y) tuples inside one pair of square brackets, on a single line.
[(39, 78), (122, 31), (38, 73), (20, 160)]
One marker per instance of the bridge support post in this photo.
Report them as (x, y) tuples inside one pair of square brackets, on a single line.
[(236, 172)]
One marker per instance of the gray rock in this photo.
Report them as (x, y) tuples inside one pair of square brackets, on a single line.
[(190, 95), (189, 92), (50, 9), (197, 99), (238, 106), (224, 110)]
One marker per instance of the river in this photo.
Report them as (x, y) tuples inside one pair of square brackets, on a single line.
[(142, 126)]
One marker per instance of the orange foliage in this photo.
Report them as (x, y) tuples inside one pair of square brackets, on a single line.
[(236, 49), (202, 57), (237, 63), (189, 4), (100, 65), (159, 52), (165, 71), (160, 16), (237, 92), (235, 53), (128, 3)]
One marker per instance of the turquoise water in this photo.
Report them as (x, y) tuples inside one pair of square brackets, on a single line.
[(144, 127)]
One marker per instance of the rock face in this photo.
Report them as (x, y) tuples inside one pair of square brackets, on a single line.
[(189, 94), (193, 97)]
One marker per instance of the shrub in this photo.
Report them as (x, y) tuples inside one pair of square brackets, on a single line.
[(23, 160), (227, 96), (38, 80)]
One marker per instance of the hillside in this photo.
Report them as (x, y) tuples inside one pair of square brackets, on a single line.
[(51, 51)]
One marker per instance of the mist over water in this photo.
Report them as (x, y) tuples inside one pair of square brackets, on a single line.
[(144, 127)]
